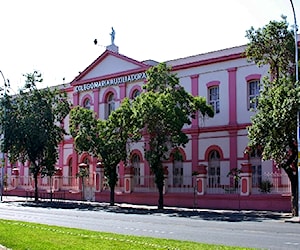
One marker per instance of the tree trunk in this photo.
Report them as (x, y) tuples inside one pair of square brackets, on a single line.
[(36, 192), (159, 180), (294, 196), (160, 196), (113, 178), (112, 195), (83, 190), (51, 191)]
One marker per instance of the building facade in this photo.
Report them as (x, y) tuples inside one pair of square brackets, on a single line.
[(205, 177)]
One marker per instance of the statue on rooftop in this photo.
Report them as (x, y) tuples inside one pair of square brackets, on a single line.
[(112, 35)]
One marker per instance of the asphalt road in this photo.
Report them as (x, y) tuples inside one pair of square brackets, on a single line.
[(235, 228)]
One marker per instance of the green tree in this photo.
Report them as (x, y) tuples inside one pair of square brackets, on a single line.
[(274, 126), (163, 110), (272, 45), (105, 139), (31, 122)]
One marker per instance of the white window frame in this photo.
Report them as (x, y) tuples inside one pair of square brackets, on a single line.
[(135, 161), (253, 93), (110, 104), (214, 98), (255, 160), (214, 169), (177, 173), (136, 93), (87, 103)]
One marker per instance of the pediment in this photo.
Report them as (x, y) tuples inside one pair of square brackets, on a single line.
[(107, 64)]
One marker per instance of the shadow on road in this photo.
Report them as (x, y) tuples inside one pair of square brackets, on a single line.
[(203, 214)]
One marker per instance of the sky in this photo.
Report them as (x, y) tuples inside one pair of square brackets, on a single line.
[(55, 37)]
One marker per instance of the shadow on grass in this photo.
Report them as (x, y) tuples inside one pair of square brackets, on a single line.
[(202, 214)]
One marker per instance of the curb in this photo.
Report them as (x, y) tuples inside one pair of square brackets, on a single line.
[(293, 220)]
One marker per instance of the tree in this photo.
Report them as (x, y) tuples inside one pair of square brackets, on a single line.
[(163, 110), (105, 139), (32, 125), (274, 126), (272, 45)]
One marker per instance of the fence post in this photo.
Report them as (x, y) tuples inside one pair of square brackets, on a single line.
[(57, 185), (246, 179), (201, 180), (99, 177), (128, 179), (15, 177)]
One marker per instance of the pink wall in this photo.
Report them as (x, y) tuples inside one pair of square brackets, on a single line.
[(225, 201)]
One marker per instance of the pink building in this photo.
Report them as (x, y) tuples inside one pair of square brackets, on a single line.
[(216, 147)]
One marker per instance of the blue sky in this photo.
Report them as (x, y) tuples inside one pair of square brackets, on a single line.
[(56, 37)]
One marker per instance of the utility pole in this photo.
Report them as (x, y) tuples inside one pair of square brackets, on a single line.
[(3, 155), (298, 113)]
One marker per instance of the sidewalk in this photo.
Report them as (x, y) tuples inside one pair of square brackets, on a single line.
[(203, 214)]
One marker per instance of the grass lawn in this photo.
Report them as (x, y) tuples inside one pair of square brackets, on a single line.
[(19, 235)]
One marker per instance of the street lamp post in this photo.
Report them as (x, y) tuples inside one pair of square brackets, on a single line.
[(298, 113), (3, 155)]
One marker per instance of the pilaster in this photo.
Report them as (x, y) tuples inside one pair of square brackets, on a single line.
[(232, 96), (195, 92), (96, 101)]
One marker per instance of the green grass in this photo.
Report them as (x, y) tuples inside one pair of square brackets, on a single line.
[(19, 235)]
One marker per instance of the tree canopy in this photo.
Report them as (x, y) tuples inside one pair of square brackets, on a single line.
[(31, 124), (272, 45), (161, 112), (163, 109), (105, 139), (274, 125)]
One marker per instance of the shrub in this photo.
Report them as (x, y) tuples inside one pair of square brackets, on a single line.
[(265, 186)]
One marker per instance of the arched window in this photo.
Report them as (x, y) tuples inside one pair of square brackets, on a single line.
[(86, 161), (87, 103), (70, 171), (135, 161), (177, 172), (136, 93), (253, 89), (214, 169), (110, 104), (255, 160)]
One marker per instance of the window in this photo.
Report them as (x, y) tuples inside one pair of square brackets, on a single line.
[(256, 153), (87, 103), (70, 172), (136, 93), (110, 104), (253, 92), (256, 175), (214, 169), (177, 173), (86, 161), (213, 98), (255, 160), (136, 168)]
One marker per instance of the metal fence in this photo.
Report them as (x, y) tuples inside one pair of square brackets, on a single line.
[(272, 183)]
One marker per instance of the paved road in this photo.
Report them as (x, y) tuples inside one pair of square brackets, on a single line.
[(248, 228)]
